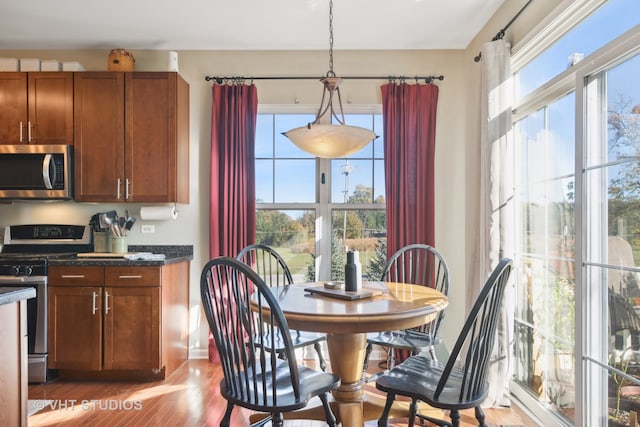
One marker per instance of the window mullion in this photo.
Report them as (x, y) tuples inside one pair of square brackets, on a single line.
[(323, 219)]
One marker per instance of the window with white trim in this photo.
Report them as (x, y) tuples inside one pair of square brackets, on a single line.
[(311, 210)]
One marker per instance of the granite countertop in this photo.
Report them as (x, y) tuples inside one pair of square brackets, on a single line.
[(173, 254), (15, 294)]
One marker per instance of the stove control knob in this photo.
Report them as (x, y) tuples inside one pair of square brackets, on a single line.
[(15, 270), (27, 270)]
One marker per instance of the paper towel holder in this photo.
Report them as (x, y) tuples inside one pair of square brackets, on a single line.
[(159, 213)]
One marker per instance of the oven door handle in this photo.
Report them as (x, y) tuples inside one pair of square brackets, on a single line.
[(22, 280)]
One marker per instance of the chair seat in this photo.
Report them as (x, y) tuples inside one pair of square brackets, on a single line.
[(418, 376), (404, 340), (312, 383), (303, 338), (298, 338)]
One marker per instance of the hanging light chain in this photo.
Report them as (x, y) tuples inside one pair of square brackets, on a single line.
[(330, 73), (324, 138)]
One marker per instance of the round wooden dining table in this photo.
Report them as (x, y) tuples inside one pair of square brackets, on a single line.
[(393, 306)]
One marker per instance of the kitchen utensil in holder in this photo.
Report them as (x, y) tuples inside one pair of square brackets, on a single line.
[(119, 245)]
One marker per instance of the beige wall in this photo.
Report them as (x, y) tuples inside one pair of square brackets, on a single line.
[(456, 141)]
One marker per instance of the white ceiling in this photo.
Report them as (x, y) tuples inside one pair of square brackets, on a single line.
[(241, 24)]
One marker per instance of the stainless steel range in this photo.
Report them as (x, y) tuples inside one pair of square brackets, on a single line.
[(24, 263)]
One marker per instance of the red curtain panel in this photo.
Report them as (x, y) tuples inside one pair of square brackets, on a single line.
[(409, 114), (232, 210)]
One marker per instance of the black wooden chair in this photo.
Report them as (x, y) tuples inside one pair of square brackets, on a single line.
[(243, 313), (623, 317), (272, 268), (421, 265), (461, 381)]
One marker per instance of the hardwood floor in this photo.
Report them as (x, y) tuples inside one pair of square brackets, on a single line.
[(189, 397)]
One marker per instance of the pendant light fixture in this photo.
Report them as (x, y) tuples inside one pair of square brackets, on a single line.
[(322, 137)]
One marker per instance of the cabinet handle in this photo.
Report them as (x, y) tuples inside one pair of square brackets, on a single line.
[(130, 277), (95, 306), (126, 189), (106, 302), (118, 190), (20, 131), (29, 131), (72, 276)]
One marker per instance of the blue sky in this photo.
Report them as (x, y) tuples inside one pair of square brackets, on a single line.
[(613, 19)]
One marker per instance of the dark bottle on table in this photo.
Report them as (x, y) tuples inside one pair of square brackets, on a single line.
[(350, 273)]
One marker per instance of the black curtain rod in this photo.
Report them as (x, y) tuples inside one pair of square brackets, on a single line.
[(222, 79), (500, 34)]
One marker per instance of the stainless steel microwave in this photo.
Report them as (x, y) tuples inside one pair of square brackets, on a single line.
[(30, 171)]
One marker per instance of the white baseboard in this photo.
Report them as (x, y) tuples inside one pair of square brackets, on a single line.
[(198, 353), (378, 354)]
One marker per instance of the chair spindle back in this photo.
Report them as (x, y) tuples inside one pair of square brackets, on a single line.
[(420, 264), (478, 335), (242, 311)]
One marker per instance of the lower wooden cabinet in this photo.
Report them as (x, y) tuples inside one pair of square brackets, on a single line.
[(75, 327), (132, 328), (108, 321)]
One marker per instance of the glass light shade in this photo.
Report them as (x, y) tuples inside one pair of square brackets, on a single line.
[(329, 140)]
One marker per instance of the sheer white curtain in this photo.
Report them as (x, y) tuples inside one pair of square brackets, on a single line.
[(496, 210)]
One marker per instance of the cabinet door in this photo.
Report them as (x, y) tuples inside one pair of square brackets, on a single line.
[(13, 108), (50, 108), (152, 137), (99, 136), (132, 328), (75, 328)]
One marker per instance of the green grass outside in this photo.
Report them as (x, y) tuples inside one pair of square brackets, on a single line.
[(298, 262)]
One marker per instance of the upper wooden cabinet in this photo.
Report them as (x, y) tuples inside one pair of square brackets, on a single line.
[(131, 137), (36, 108)]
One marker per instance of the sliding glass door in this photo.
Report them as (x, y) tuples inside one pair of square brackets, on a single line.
[(577, 147), (545, 313), (611, 182)]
